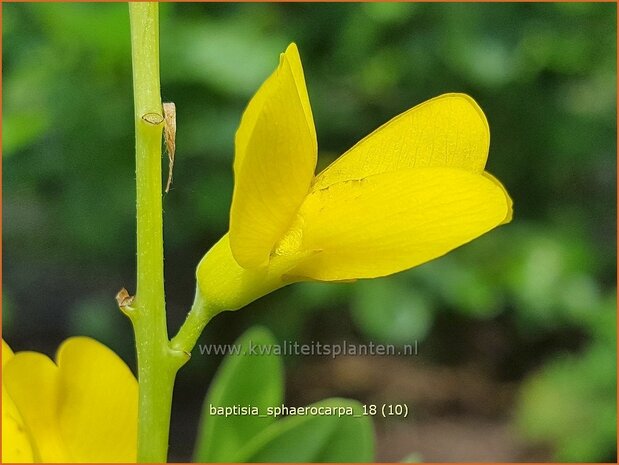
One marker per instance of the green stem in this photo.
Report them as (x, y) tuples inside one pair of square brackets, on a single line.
[(157, 363), (197, 318)]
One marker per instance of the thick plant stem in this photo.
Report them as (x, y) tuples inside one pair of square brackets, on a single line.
[(157, 363)]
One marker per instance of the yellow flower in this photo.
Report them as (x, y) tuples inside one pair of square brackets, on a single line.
[(81, 409), (411, 191)]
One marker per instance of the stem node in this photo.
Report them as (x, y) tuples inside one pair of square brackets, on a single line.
[(125, 303), (178, 357)]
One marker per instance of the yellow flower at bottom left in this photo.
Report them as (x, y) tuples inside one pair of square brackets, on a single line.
[(83, 408)]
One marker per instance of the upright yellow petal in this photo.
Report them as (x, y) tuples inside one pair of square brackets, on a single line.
[(254, 107), (449, 131), (389, 222), (16, 446), (249, 118), (294, 59), (31, 381), (275, 158), (97, 417)]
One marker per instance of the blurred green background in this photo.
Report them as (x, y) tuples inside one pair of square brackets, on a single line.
[(516, 330)]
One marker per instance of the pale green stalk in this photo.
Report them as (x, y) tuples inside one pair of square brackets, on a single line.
[(197, 319), (157, 362)]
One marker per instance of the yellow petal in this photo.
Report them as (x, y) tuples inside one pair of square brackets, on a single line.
[(83, 410), (97, 417), (275, 158), (294, 60), (31, 381), (7, 353), (16, 446), (447, 131), (249, 118), (254, 107), (224, 285), (393, 221), (510, 204)]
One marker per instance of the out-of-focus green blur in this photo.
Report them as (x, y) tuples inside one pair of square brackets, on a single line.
[(515, 331)]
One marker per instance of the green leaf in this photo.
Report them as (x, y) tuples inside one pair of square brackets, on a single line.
[(243, 379), (315, 438)]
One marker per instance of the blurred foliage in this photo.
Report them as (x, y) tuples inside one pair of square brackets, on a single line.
[(245, 379), (571, 392), (545, 75), (241, 380)]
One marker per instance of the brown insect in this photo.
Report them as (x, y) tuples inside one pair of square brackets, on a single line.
[(169, 133)]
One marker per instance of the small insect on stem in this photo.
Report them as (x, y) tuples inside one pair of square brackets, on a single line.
[(169, 132)]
